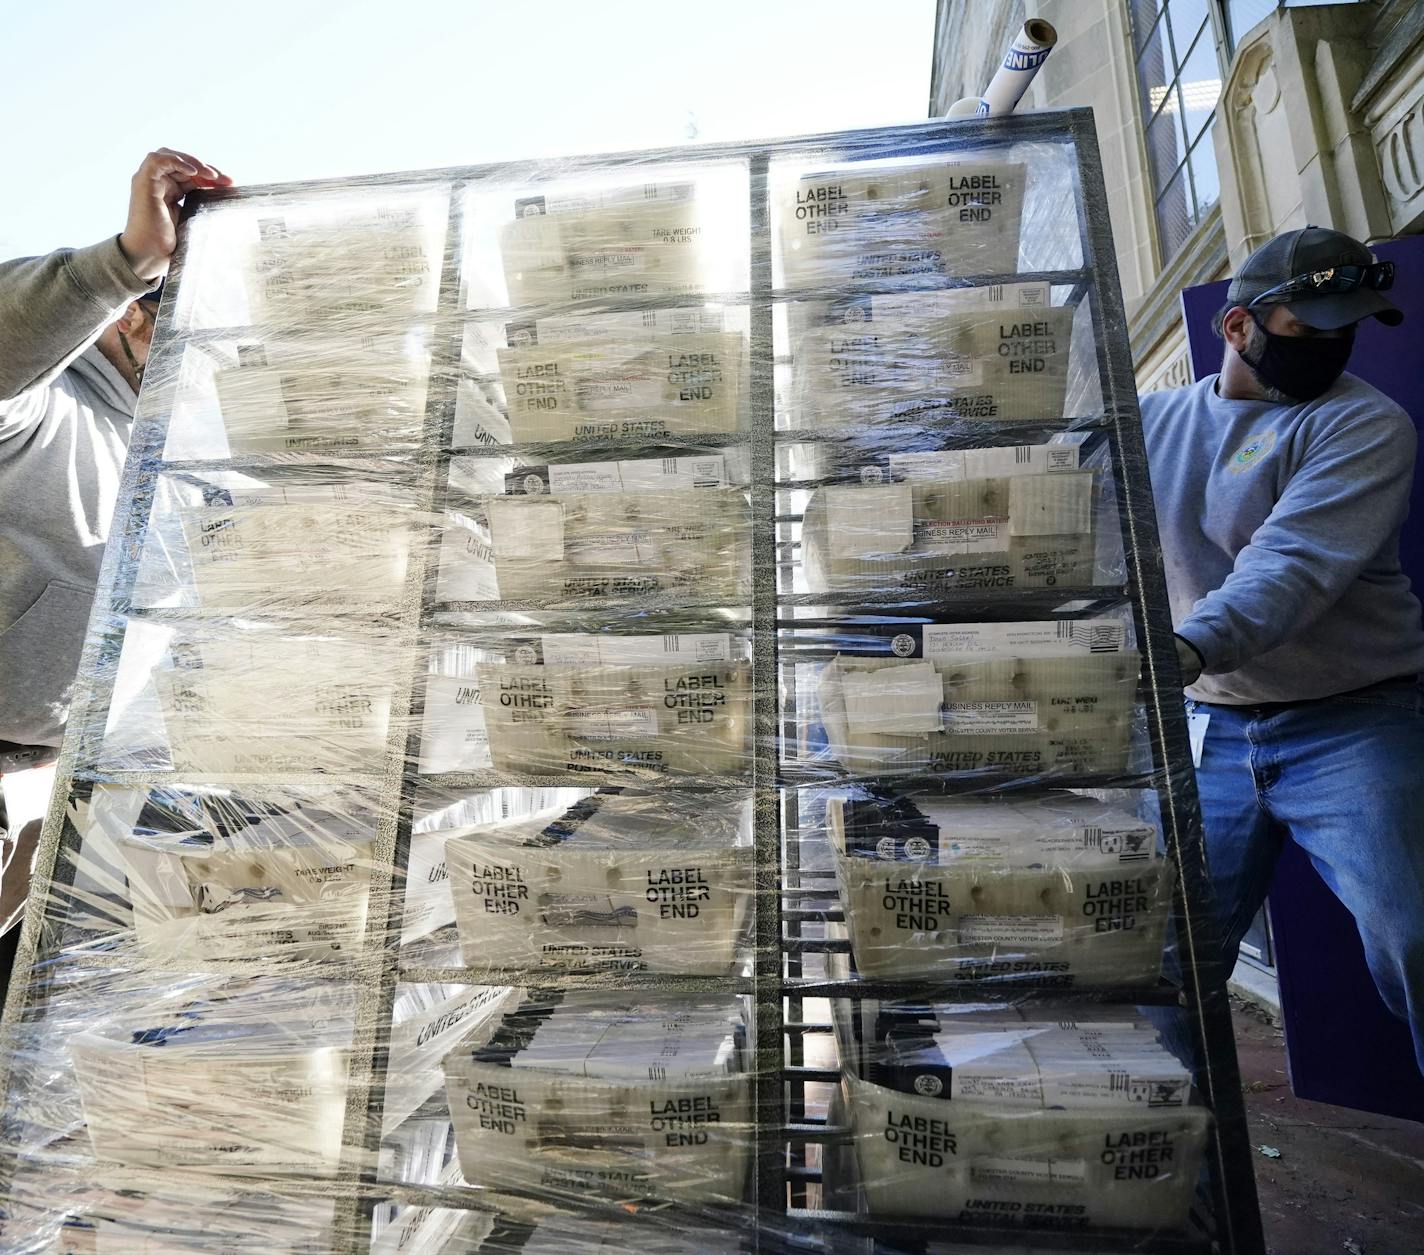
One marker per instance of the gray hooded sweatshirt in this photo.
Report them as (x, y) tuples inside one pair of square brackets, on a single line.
[(65, 419)]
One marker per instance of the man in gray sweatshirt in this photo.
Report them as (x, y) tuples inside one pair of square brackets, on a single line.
[(1281, 486), (75, 328)]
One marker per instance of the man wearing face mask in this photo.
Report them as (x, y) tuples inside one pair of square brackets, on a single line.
[(1281, 486), (75, 329)]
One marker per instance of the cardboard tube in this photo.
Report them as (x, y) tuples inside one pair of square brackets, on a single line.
[(1028, 51)]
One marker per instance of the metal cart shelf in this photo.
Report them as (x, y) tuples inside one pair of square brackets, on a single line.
[(792, 904)]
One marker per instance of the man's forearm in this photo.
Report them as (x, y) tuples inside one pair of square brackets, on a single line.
[(53, 307), (15, 880)]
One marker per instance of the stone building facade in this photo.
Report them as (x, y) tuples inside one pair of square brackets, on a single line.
[(1221, 122)]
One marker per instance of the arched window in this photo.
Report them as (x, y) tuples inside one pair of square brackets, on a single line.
[(1182, 48)]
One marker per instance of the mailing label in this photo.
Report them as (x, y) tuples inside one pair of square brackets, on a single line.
[(1035, 639), (586, 477), (946, 464), (610, 549), (642, 325), (642, 475), (581, 650), (893, 700), (1040, 459), (613, 724), (992, 296), (1059, 505), (1026, 295), (959, 536), (990, 718), (664, 474), (1029, 1171), (1054, 844), (533, 530), (1010, 930), (999, 1085), (959, 464), (292, 494), (643, 196), (870, 521), (1165, 1083)]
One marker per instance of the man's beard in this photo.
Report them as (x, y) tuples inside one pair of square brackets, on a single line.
[(1255, 343)]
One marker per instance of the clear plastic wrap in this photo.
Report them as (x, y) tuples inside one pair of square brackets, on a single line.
[(613, 680)]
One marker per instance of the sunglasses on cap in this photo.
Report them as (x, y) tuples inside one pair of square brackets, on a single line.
[(1378, 275)]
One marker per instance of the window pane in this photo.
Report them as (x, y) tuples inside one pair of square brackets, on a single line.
[(1205, 182), (1200, 85), (1242, 15), (1154, 72), (1187, 18), (1174, 219), (1166, 146), (1143, 14)]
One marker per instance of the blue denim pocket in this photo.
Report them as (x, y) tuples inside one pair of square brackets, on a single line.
[(1406, 695)]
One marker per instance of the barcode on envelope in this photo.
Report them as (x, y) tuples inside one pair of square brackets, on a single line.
[(703, 475)]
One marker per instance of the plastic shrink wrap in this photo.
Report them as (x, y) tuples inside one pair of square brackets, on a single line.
[(577, 633)]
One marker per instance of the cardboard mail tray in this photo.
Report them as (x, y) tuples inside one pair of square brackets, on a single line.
[(922, 1156), (580, 1095), (931, 218), (1009, 716), (624, 387), (256, 702), (1059, 890), (642, 719), (618, 882), (610, 545), (913, 362), (1026, 531), (251, 1081)]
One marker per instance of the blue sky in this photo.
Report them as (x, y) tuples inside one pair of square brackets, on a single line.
[(296, 89)]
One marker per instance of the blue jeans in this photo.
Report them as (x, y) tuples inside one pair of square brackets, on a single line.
[(1343, 777)]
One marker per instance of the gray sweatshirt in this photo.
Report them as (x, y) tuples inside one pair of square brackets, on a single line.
[(1280, 534), (65, 418)]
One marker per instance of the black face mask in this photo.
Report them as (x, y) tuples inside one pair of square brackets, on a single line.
[(1302, 367)]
